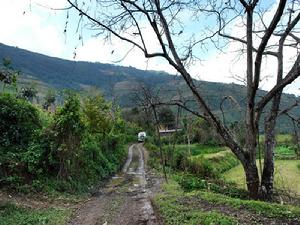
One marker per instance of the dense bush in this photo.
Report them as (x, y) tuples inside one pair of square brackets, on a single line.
[(19, 122), (19, 126), (67, 130), (77, 146)]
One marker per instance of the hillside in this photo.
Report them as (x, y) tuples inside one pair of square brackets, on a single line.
[(121, 82), (60, 73)]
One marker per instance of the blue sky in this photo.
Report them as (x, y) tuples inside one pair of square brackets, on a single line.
[(32, 25)]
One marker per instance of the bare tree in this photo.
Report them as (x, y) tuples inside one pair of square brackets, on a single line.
[(132, 20)]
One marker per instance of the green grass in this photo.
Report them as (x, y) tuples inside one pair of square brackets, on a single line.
[(11, 214), (285, 152), (177, 207), (287, 176), (271, 210), (174, 212), (218, 163), (197, 149)]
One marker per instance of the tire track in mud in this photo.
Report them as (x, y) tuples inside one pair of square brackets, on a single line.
[(125, 200)]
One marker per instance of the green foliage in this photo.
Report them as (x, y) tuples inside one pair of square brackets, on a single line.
[(213, 165), (20, 125), (12, 214), (19, 122), (96, 114), (190, 182), (69, 151), (86, 143), (67, 130), (285, 152), (8, 76), (204, 161)]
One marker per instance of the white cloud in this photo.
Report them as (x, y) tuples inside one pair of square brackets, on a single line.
[(41, 30), (123, 53), (26, 27)]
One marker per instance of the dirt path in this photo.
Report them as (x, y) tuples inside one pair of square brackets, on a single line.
[(125, 199)]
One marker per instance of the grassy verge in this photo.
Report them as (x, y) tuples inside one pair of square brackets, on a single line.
[(50, 200), (174, 212), (12, 214), (271, 210), (203, 207)]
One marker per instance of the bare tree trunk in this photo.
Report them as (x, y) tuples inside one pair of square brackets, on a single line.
[(269, 146), (252, 180), (268, 171)]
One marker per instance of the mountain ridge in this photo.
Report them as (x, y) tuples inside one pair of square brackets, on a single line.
[(121, 82)]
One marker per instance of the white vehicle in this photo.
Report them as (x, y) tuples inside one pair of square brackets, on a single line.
[(141, 136)]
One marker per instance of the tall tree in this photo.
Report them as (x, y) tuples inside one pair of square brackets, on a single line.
[(131, 21)]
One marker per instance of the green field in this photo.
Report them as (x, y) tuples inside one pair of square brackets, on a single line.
[(287, 175)]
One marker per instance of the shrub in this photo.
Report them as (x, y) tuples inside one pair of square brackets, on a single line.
[(19, 122), (19, 127), (69, 151), (214, 166), (67, 130)]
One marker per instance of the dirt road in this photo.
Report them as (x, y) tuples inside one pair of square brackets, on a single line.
[(125, 200)]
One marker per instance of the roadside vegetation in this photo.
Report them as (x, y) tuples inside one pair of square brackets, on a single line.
[(205, 207), (60, 151), (206, 183), (64, 150), (19, 215)]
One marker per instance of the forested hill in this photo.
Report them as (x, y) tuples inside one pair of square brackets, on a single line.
[(60, 73), (116, 81)]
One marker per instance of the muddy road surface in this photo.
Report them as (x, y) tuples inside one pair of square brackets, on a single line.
[(125, 200)]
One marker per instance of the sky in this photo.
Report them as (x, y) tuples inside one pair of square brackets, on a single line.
[(31, 25)]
